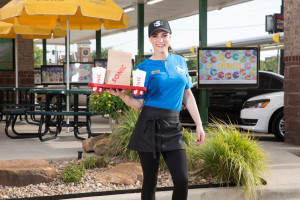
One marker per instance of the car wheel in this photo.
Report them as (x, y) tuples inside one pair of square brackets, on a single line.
[(278, 126)]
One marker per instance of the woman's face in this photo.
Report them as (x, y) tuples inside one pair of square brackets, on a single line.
[(160, 41)]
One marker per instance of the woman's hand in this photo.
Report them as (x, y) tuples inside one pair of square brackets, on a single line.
[(200, 135), (136, 104)]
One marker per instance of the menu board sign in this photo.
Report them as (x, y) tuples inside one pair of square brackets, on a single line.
[(52, 74), (79, 72), (37, 76), (228, 67)]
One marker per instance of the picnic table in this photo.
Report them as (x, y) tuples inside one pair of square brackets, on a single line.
[(55, 116), (11, 97), (14, 103)]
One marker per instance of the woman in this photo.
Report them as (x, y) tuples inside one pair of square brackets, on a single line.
[(158, 129)]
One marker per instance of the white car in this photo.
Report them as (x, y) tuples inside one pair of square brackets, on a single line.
[(264, 113)]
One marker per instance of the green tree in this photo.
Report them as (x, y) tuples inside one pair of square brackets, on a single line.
[(269, 65), (192, 63), (38, 56), (104, 53)]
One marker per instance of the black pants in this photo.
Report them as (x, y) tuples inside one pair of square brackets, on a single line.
[(177, 164)]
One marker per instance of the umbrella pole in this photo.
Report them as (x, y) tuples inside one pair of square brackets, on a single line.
[(68, 71), (16, 67)]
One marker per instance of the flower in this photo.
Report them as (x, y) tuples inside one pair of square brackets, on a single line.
[(106, 103)]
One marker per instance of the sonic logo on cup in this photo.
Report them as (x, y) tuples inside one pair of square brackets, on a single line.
[(98, 77), (117, 75), (138, 80)]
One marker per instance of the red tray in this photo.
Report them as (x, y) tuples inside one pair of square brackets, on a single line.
[(135, 90)]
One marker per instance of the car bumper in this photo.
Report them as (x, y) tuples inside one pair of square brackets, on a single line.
[(255, 120)]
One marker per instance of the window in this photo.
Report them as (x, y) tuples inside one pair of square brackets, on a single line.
[(276, 84), (6, 54), (264, 82)]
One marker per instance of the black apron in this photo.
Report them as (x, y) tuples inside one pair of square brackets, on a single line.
[(157, 130)]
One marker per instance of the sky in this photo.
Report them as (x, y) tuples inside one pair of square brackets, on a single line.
[(241, 21)]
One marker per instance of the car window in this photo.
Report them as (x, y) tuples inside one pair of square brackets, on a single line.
[(264, 81), (276, 84)]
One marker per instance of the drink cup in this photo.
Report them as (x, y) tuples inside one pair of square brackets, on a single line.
[(98, 74), (139, 78)]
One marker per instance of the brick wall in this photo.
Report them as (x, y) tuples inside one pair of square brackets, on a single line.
[(26, 64), (292, 71)]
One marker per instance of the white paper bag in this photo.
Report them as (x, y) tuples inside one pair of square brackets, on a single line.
[(119, 67)]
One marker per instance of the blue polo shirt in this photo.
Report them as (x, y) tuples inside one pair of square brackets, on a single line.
[(166, 81)]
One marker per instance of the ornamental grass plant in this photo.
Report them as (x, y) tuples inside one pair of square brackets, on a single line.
[(232, 157), (123, 133)]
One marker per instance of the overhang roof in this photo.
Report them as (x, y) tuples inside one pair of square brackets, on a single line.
[(166, 9)]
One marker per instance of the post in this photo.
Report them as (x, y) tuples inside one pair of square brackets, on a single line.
[(16, 64), (98, 44), (140, 29), (203, 93), (68, 70), (44, 52)]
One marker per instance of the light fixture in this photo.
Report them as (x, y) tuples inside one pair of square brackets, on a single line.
[(129, 9), (153, 2)]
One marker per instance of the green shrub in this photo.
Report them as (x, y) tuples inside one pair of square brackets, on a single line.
[(123, 133), (232, 157), (102, 161), (73, 172), (95, 161), (194, 160), (105, 103), (89, 162)]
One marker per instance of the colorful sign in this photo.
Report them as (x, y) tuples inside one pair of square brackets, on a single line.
[(228, 67), (79, 72), (37, 76), (52, 74), (279, 23)]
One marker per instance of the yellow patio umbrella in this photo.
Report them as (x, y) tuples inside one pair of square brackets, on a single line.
[(8, 30), (70, 14), (83, 14)]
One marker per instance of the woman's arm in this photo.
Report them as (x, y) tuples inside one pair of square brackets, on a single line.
[(134, 103), (189, 101)]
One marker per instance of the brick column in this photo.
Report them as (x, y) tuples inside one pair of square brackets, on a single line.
[(292, 71), (26, 63)]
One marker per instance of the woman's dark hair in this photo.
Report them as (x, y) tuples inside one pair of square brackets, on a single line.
[(170, 49)]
